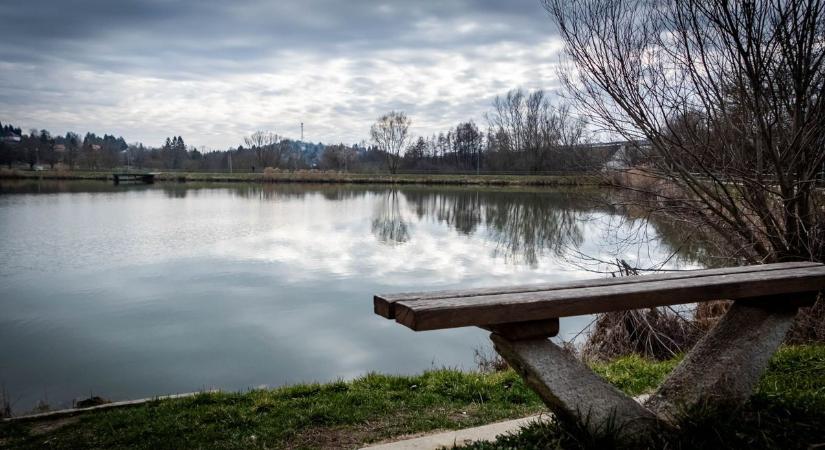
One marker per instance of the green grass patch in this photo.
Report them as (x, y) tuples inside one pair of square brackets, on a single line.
[(796, 378), (635, 375), (333, 415), (787, 410)]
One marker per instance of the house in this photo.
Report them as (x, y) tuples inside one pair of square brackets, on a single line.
[(626, 154)]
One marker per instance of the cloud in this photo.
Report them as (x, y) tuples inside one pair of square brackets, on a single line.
[(214, 71)]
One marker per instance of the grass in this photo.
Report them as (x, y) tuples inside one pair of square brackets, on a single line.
[(331, 415), (633, 374), (788, 409), (315, 176)]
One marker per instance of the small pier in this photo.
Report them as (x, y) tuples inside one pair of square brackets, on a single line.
[(145, 178)]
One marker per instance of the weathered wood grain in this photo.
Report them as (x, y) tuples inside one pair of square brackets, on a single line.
[(478, 310), (384, 304)]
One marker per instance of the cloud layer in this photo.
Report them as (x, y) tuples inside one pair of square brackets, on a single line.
[(214, 71)]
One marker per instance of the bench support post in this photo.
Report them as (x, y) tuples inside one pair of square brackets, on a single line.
[(520, 331), (569, 388), (726, 363), (723, 367)]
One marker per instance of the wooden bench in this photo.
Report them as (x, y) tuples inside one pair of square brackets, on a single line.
[(724, 366)]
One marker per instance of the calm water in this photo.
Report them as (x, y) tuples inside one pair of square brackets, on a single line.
[(138, 291)]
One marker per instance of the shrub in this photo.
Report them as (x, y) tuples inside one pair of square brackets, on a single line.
[(5, 404), (809, 326), (656, 333), (488, 361), (269, 173)]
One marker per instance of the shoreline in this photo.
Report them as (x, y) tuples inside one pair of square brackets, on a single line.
[(377, 408), (324, 177)]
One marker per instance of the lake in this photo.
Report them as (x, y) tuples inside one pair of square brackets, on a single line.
[(135, 291)]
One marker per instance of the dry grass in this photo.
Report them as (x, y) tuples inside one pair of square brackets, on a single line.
[(655, 333), (809, 327), (635, 178), (317, 176), (488, 361), (661, 333), (707, 314), (269, 173), (5, 172), (5, 403)]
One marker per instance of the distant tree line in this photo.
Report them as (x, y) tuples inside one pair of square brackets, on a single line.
[(526, 132)]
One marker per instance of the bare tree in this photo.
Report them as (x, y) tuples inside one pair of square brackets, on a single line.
[(530, 125), (267, 147), (730, 100), (467, 145), (391, 134), (338, 157), (415, 152)]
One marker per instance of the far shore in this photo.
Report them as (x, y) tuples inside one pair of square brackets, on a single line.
[(315, 176)]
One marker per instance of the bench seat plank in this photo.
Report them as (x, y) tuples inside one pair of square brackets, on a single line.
[(573, 300), (384, 304)]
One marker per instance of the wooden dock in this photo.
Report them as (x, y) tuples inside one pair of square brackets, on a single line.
[(146, 178)]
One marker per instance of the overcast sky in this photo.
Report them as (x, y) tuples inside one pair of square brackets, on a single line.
[(216, 70)]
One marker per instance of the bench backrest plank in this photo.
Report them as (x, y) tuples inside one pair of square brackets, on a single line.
[(451, 309)]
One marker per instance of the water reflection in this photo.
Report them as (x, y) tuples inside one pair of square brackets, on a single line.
[(524, 224), (173, 287), (526, 230), (388, 223), (460, 209), (174, 190)]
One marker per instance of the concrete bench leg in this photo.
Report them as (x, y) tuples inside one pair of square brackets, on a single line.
[(726, 364), (723, 367), (571, 389)]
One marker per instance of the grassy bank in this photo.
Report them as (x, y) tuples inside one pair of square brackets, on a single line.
[(787, 411), (789, 403), (311, 176)]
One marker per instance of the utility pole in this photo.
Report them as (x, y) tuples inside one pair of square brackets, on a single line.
[(303, 147)]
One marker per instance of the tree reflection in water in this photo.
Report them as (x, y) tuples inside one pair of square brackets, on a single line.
[(388, 223), (523, 225), (527, 230)]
